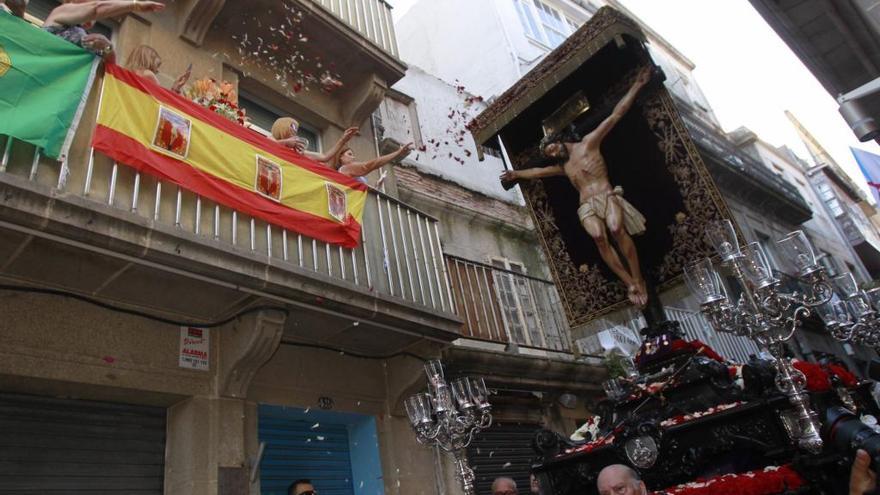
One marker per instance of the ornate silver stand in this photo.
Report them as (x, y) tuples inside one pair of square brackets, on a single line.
[(853, 317), (764, 312), (450, 416)]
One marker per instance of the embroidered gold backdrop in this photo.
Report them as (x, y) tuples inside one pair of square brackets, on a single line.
[(649, 154)]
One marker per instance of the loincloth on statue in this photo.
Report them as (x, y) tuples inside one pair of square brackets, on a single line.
[(633, 221)]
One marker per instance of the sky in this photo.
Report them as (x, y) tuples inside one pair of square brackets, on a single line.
[(748, 74)]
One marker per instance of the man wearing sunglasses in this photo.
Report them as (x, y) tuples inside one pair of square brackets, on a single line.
[(301, 487)]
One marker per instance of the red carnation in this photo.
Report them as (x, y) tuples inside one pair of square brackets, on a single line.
[(848, 379), (817, 378)]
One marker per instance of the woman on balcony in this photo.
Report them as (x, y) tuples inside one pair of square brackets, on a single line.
[(286, 132), (145, 62), (346, 163), (73, 18)]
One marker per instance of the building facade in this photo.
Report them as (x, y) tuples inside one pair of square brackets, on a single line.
[(111, 280)]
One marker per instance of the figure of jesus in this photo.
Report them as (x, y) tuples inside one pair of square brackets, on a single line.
[(603, 212)]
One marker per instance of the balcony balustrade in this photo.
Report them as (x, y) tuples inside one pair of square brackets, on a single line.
[(371, 18), (500, 305), (400, 254)]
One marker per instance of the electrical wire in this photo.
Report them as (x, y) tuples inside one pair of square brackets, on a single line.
[(160, 319), (134, 312), (352, 354)]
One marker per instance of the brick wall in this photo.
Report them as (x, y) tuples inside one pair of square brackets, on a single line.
[(449, 192)]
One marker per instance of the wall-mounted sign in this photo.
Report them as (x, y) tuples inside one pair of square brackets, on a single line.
[(195, 345)]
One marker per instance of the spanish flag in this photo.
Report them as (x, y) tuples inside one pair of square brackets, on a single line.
[(163, 134)]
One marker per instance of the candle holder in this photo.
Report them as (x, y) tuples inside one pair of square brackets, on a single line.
[(764, 312), (449, 415), (854, 315)]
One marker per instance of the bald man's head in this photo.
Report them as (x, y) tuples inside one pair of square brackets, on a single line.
[(619, 479), (504, 486)]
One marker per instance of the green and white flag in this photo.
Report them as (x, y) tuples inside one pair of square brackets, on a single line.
[(44, 83)]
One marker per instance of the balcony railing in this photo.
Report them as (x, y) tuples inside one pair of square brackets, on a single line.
[(695, 326), (371, 18), (505, 306), (400, 254), (724, 150)]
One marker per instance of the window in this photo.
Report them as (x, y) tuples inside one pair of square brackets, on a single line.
[(544, 23), (554, 28), (827, 195), (517, 303), (261, 117), (825, 191), (527, 19), (399, 120)]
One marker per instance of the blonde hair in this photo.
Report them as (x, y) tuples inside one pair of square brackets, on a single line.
[(144, 58), (281, 128)]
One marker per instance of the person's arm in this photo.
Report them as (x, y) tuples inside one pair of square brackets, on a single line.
[(531, 173), (509, 178), (364, 168), (295, 144), (598, 134), (148, 74), (71, 14), (182, 79), (332, 152)]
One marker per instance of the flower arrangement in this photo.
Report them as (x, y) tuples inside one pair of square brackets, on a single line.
[(220, 98), (770, 480), (588, 431), (590, 446), (684, 418)]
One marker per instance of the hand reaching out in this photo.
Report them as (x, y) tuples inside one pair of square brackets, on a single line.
[(99, 44), (404, 150), (862, 479), (181, 80), (148, 6), (509, 176), (350, 133)]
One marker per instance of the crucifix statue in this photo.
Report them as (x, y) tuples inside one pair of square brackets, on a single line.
[(604, 214)]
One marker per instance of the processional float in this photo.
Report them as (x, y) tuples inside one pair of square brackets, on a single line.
[(637, 215)]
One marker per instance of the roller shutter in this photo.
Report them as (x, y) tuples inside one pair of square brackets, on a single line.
[(295, 449), (503, 450), (64, 446)]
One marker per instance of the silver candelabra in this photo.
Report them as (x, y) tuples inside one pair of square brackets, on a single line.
[(449, 416), (764, 312), (852, 316)]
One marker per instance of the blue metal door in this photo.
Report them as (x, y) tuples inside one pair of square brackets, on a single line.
[(299, 446)]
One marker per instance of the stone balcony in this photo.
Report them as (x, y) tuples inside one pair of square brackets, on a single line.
[(104, 232)]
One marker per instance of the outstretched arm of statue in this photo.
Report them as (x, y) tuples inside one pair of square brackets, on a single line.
[(595, 138), (511, 177)]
